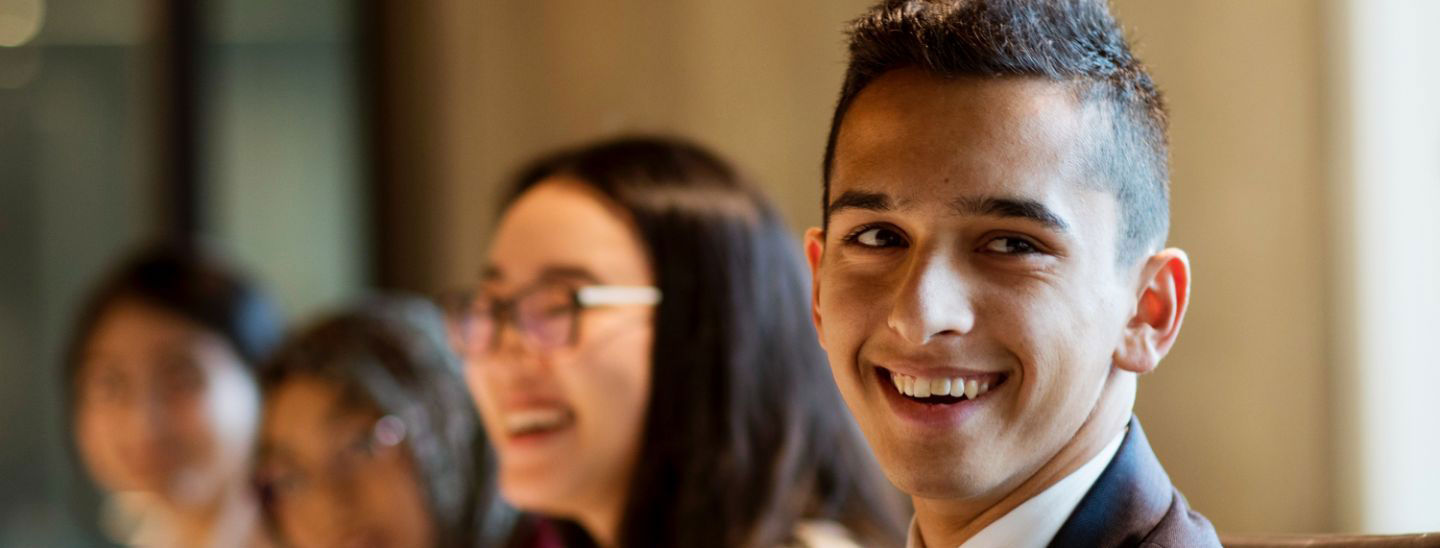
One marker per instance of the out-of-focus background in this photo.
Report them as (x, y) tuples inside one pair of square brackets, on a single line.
[(340, 146)]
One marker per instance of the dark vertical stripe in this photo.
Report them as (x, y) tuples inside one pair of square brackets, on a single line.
[(181, 134), (371, 38)]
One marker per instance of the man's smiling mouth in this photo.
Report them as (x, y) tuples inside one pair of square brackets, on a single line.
[(941, 390)]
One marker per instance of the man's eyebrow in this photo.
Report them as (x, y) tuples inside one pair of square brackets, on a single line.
[(855, 199), (1011, 207)]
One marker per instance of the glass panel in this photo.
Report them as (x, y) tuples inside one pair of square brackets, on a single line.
[(285, 185), (282, 186), (76, 127)]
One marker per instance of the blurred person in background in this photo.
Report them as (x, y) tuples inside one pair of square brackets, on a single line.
[(163, 398), (640, 353), (369, 437)]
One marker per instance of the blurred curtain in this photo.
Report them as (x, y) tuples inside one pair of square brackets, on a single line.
[(1386, 192)]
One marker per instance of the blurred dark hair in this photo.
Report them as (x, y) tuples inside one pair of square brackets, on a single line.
[(391, 355), (181, 277), (189, 280), (1071, 41), (745, 435)]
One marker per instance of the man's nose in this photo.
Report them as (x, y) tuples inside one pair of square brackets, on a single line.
[(933, 300)]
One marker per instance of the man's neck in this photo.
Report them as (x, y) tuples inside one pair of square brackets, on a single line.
[(946, 523)]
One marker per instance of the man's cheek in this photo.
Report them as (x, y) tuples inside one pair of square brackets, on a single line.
[(840, 337), (854, 299), (844, 326)]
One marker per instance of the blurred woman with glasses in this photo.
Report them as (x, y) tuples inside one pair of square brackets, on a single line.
[(163, 398), (641, 354), (370, 439)]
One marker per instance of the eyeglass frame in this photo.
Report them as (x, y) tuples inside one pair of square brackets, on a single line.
[(581, 298), (378, 443)]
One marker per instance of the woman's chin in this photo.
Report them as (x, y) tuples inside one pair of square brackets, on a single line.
[(539, 497)]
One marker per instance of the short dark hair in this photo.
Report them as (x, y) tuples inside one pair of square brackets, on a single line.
[(182, 277), (190, 280), (1070, 41), (391, 355), (732, 454)]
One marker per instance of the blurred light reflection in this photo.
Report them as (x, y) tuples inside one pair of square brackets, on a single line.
[(20, 21)]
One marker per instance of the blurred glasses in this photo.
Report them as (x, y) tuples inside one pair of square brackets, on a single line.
[(358, 457), (547, 315)]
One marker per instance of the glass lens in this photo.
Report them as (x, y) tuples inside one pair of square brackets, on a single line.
[(547, 316), (476, 325)]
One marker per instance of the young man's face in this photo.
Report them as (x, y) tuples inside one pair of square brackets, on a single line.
[(967, 243)]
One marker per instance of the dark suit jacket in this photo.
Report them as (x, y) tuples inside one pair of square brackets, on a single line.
[(1134, 504)]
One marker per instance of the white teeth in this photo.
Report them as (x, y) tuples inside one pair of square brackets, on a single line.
[(921, 387), (940, 387), (531, 420)]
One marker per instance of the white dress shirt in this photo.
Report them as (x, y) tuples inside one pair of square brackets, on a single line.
[(822, 534), (1034, 523)]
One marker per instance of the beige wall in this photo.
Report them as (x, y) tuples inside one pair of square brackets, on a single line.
[(1238, 413), (754, 79)]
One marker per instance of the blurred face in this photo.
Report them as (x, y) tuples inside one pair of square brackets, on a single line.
[(164, 406), (565, 416), (339, 476), (967, 289)]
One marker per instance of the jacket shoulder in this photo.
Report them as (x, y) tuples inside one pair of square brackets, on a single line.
[(1182, 528)]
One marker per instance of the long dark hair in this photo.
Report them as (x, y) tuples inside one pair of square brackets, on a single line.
[(391, 355), (748, 436)]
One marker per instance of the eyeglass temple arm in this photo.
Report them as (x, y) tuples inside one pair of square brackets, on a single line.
[(617, 294)]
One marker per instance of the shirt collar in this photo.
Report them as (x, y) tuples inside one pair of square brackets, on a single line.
[(1034, 522)]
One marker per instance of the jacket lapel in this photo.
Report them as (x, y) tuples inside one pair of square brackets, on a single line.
[(1129, 499)]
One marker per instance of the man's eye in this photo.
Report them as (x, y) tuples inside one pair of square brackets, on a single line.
[(1009, 245), (877, 237)]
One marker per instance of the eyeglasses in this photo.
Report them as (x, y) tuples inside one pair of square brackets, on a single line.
[(546, 315), (358, 456)]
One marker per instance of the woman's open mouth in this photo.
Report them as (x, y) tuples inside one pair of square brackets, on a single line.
[(537, 422)]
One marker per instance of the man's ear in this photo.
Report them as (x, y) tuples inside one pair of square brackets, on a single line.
[(814, 251), (1159, 310)]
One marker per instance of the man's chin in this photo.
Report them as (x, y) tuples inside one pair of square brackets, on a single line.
[(939, 471), (944, 487)]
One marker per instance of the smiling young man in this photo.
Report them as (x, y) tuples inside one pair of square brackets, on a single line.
[(991, 277)]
